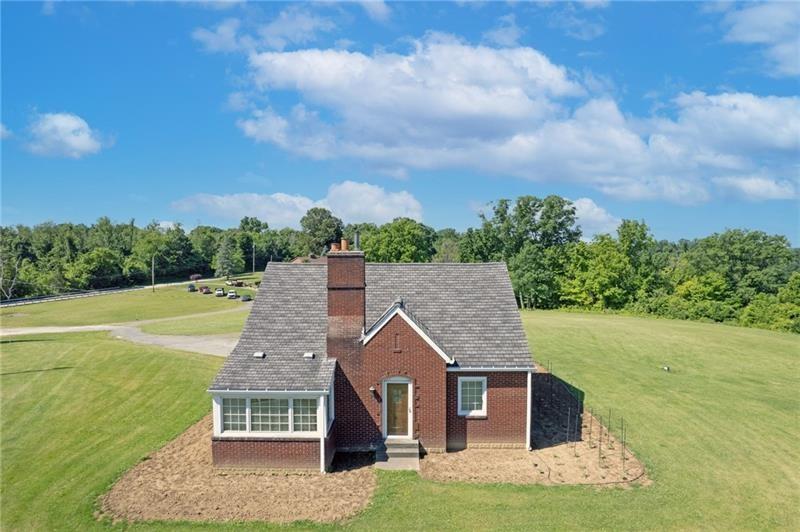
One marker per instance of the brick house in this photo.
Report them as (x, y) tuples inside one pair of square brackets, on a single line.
[(346, 355)]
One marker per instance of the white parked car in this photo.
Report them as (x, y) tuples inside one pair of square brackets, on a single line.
[(219, 292), (232, 294)]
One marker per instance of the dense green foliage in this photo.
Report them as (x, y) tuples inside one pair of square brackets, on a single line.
[(721, 455), (735, 276)]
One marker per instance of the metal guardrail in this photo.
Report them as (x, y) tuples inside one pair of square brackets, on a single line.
[(16, 302)]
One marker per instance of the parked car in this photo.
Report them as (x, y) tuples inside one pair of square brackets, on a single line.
[(219, 292), (205, 290), (191, 288), (195, 277), (232, 294), (246, 297)]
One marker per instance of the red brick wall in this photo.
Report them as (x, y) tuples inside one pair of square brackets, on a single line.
[(283, 454), (505, 420), (358, 411), (346, 298)]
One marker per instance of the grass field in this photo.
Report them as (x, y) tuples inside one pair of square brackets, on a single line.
[(719, 433), (230, 322), (167, 301), (80, 409)]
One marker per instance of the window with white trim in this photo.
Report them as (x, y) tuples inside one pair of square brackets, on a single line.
[(472, 396), (269, 415), (234, 414), (305, 415)]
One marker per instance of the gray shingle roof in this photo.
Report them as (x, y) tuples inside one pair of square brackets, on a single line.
[(288, 318), (469, 310)]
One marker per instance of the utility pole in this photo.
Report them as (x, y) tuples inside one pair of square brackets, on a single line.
[(153, 272), (254, 256)]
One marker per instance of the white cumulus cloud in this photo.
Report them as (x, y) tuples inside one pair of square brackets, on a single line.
[(223, 38), (4, 132), (594, 219), (62, 135), (349, 200), (775, 26), (505, 33), (758, 188), (292, 26), (377, 9), (448, 104), (355, 202)]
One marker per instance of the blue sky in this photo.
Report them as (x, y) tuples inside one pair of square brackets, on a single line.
[(684, 115)]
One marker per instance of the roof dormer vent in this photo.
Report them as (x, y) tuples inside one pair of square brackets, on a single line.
[(259, 354)]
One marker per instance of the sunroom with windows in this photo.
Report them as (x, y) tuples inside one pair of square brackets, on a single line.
[(272, 415)]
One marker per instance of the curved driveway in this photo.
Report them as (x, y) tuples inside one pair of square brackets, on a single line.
[(208, 344)]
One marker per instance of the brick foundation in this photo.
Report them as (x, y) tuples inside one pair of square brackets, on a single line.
[(505, 422), (277, 454)]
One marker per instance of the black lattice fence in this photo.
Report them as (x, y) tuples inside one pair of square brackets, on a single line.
[(562, 416)]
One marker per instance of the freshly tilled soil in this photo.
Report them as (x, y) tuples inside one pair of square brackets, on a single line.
[(578, 462), (179, 482)]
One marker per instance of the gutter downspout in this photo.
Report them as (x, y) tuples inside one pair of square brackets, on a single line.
[(324, 408), (528, 413)]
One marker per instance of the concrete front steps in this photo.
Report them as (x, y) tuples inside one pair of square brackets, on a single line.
[(398, 454)]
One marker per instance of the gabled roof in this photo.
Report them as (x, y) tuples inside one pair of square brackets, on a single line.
[(399, 309), (467, 310)]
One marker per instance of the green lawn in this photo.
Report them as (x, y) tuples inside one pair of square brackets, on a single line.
[(230, 322), (77, 411), (167, 301), (719, 433)]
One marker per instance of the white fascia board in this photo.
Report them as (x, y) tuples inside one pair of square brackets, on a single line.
[(399, 311), (485, 369), (528, 413), (267, 393)]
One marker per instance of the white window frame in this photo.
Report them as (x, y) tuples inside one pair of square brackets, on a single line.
[(292, 434), (473, 413)]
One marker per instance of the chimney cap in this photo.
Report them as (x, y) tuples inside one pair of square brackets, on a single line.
[(335, 246), (344, 244)]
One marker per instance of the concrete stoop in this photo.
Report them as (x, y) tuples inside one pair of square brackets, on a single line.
[(398, 454)]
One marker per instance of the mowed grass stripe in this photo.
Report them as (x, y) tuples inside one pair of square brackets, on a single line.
[(165, 302), (73, 431)]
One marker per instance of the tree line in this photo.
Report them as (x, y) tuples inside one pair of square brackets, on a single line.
[(739, 276)]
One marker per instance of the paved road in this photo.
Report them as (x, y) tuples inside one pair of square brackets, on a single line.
[(209, 344)]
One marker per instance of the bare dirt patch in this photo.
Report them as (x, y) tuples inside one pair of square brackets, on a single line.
[(179, 482), (581, 461)]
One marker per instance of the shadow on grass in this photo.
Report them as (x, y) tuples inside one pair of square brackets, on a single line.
[(17, 340), (35, 370)]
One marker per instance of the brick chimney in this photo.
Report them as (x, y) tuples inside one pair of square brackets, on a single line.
[(346, 299)]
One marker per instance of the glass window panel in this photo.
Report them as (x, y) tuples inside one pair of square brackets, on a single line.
[(305, 415), (269, 415), (234, 414), (471, 395)]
